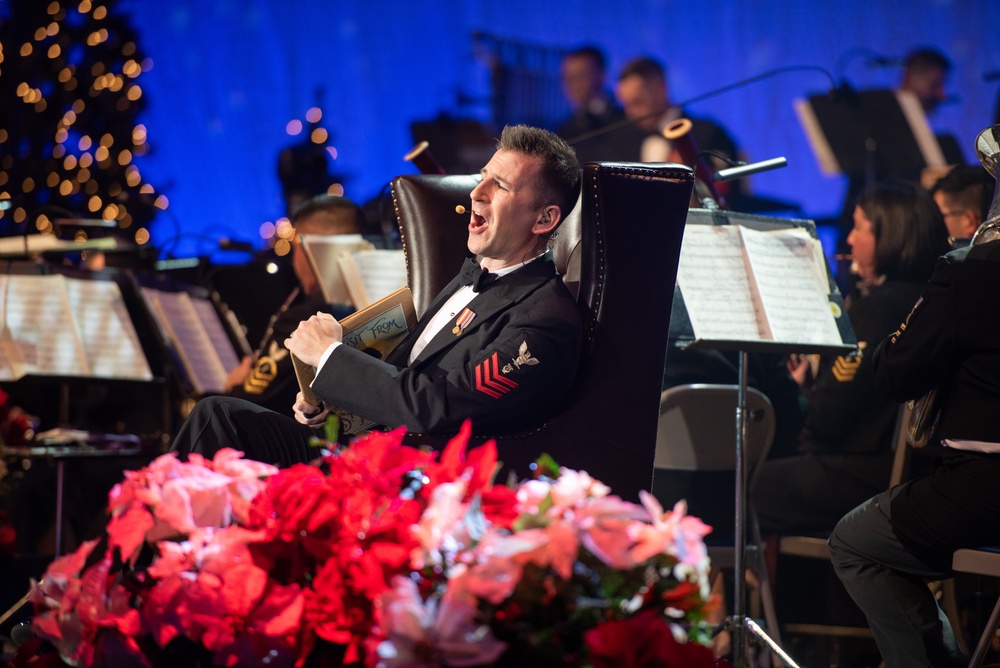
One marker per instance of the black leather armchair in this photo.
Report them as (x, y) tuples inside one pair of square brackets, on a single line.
[(626, 235)]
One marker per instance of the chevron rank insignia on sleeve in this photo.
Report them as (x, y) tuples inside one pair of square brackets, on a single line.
[(490, 381), (265, 370), (845, 367)]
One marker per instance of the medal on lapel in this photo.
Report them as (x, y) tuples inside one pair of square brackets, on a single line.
[(462, 321)]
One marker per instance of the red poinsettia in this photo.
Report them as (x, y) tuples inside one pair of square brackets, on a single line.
[(344, 532), (644, 640)]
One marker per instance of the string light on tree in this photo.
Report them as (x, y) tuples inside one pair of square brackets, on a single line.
[(70, 88)]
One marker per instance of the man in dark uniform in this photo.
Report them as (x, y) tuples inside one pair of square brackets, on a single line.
[(887, 548), (597, 129), (267, 377), (500, 350), (644, 93)]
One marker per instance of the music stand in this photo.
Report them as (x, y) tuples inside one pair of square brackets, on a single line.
[(701, 268), (869, 132)]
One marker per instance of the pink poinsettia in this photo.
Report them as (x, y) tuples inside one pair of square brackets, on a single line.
[(170, 498), (435, 530), (674, 532), (495, 569), (232, 606), (572, 489), (57, 597), (605, 525), (76, 606), (437, 632)]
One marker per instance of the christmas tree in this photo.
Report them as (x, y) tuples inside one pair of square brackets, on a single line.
[(69, 134)]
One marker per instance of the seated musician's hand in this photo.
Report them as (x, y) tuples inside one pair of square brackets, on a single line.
[(309, 414), (313, 336), (800, 367), (240, 373)]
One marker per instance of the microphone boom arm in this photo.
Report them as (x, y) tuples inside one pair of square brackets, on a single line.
[(740, 171)]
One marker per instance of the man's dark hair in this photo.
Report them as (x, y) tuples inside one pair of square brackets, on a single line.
[(910, 234), (560, 169), (348, 210), (590, 51), (923, 59), (969, 187), (645, 67)]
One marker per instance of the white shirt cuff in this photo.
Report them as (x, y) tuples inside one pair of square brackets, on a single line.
[(325, 357)]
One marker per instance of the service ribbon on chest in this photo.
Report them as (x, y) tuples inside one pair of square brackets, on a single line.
[(463, 320)]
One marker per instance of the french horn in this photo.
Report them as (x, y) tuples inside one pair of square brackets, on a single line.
[(924, 412)]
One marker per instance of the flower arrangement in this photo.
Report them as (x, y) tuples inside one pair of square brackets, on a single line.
[(16, 428), (382, 555)]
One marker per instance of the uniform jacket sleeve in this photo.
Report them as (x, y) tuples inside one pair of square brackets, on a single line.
[(846, 411), (916, 357), (505, 370)]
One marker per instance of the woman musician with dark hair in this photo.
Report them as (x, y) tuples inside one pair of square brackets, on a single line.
[(844, 451)]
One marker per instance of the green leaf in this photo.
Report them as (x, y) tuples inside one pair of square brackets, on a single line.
[(331, 429), (546, 466)]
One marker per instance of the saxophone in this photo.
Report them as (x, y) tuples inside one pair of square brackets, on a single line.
[(924, 412)]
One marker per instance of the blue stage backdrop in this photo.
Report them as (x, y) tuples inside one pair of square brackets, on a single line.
[(229, 76)]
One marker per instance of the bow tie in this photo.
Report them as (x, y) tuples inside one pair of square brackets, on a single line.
[(473, 274)]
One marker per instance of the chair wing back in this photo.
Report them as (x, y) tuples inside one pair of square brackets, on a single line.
[(698, 428), (434, 234), (631, 221), (433, 231)]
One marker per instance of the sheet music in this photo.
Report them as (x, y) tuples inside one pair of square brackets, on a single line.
[(216, 332), (382, 272), (784, 274), (39, 319), (324, 252), (106, 330), (712, 276), (178, 318)]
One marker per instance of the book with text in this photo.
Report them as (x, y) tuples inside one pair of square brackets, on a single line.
[(377, 330)]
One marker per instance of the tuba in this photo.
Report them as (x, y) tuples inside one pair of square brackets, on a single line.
[(924, 411)]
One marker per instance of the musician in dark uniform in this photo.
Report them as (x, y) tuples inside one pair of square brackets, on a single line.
[(844, 454), (886, 549), (644, 93), (500, 351), (597, 127), (964, 195), (267, 378)]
